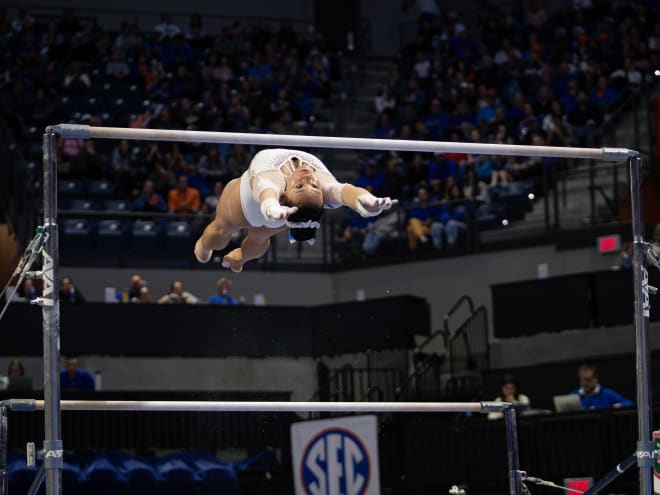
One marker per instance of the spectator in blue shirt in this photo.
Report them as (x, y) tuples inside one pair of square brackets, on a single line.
[(223, 296), (74, 378), (593, 395)]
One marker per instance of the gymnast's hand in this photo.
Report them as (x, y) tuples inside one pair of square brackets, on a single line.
[(369, 205), (273, 210)]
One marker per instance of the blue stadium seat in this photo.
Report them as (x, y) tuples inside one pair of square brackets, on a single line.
[(75, 227), (116, 205), (145, 236), (140, 474), (102, 476), (100, 189), (70, 188), (175, 475), (110, 236), (76, 235), (216, 476), (80, 205), (178, 237), (19, 474)]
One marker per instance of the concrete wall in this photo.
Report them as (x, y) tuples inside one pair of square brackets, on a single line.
[(441, 281), (178, 374)]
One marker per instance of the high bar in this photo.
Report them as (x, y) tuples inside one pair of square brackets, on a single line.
[(288, 140)]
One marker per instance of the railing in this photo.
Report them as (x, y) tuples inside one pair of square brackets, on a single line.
[(468, 346), (351, 384), (468, 352)]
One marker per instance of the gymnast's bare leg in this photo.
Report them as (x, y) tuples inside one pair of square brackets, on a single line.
[(253, 246), (228, 219)]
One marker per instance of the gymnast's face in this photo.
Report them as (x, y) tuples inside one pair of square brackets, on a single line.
[(302, 187)]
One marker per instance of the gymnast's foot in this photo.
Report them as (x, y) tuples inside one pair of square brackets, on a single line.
[(233, 260), (202, 254)]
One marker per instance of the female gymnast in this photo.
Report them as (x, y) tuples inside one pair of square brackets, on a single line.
[(282, 189)]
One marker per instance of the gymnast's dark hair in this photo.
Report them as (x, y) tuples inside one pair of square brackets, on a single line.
[(304, 214)]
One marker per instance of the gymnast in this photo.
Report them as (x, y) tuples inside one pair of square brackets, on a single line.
[(282, 189)]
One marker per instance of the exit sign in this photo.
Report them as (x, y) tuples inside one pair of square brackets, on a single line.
[(609, 243), (577, 486)]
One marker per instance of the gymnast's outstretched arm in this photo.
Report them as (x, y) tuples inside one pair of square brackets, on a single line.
[(365, 203)]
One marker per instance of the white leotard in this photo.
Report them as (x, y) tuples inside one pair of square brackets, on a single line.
[(269, 169)]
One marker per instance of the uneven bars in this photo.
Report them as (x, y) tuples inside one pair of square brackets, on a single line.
[(87, 132), (26, 405)]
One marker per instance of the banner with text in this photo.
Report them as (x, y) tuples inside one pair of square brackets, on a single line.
[(336, 456)]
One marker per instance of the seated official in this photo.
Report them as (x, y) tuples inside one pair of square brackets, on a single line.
[(593, 395), (509, 393), (74, 378)]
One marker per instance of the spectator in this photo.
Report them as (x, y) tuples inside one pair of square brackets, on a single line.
[(72, 377), (352, 231), (149, 200), (625, 257), (27, 292), (166, 28), (419, 220), (211, 201), (382, 229), (177, 295), (117, 69), (385, 100), (392, 184), (450, 219), (583, 118), (509, 393), (224, 293), (15, 369), (183, 199), (69, 293), (212, 163), (137, 291), (371, 179), (592, 394), (603, 96), (76, 82)]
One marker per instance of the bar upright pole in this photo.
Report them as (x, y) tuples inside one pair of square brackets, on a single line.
[(645, 457), (511, 429), (52, 447)]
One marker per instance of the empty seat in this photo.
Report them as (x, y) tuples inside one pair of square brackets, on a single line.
[(116, 205), (75, 227), (100, 189), (110, 236), (102, 476), (145, 236), (70, 188), (178, 228), (80, 205), (178, 236), (76, 235)]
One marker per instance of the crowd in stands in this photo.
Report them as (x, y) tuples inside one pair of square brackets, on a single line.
[(246, 77), (531, 77), (136, 291)]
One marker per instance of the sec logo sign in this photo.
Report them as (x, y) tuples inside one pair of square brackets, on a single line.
[(336, 456), (335, 461)]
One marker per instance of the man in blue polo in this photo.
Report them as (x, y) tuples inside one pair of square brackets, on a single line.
[(593, 395), (74, 378)]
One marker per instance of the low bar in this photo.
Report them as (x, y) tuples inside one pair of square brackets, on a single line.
[(264, 406), (85, 132)]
